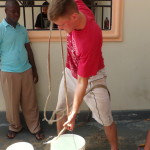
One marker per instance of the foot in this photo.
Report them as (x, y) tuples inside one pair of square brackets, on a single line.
[(39, 135), (11, 134)]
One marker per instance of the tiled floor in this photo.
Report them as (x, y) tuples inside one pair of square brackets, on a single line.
[(132, 129)]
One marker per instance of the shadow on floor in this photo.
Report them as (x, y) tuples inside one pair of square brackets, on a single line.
[(132, 128)]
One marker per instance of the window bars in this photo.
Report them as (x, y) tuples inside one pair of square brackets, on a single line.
[(30, 9)]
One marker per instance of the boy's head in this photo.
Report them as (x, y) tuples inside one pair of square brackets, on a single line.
[(63, 13), (45, 7), (12, 11)]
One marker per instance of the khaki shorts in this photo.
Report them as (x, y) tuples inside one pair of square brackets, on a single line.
[(97, 99)]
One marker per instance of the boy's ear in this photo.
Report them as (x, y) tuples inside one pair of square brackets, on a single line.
[(75, 16)]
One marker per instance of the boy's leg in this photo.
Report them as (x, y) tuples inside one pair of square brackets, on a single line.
[(111, 134), (11, 87), (98, 101), (61, 104), (147, 144), (29, 103)]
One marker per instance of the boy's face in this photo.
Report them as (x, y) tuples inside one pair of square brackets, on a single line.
[(13, 13), (44, 10), (66, 23)]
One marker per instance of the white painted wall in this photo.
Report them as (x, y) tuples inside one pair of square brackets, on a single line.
[(127, 63)]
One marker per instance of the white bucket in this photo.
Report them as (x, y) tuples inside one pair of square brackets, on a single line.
[(20, 146), (68, 142)]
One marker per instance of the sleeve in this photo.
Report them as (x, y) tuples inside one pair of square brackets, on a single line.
[(0, 39)]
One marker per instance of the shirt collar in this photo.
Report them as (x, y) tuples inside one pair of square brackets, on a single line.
[(4, 22)]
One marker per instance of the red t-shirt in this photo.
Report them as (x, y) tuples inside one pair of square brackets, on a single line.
[(84, 56)]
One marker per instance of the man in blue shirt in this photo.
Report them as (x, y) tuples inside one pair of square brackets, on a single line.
[(18, 73)]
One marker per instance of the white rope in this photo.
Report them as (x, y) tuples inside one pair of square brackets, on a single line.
[(65, 82), (49, 76), (63, 112)]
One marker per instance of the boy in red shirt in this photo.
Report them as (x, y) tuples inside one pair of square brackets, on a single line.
[(85, 74)]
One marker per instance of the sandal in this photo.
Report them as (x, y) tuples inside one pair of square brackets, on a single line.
[(11, 134), (39, 135)]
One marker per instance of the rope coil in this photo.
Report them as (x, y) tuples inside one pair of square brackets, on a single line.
[(63, 112)]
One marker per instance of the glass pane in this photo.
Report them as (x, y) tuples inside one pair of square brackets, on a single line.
[(102, 10)]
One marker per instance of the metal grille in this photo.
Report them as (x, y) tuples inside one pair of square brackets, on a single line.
[(102, 10)]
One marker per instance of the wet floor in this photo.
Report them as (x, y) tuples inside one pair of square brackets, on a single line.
[(132, 128)]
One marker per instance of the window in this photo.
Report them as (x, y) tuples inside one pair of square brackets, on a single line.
[(31, 11), (102, 10), (113, 33), (108, 14)]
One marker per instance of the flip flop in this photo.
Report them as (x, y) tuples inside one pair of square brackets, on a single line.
[(11, 134), (39, 135)]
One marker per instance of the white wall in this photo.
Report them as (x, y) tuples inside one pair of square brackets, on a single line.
[(127, 63)]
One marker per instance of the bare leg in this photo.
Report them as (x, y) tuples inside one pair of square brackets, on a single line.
[(60, 123), (147, 144), (111, 133)]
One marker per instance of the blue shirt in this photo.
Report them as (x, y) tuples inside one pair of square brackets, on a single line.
[(13, 54)]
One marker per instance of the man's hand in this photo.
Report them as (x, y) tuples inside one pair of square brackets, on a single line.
[(35, 76)]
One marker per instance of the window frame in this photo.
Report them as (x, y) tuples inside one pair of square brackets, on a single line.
[(115, 34)]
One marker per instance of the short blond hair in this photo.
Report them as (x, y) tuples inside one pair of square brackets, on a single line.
[(61, 8)]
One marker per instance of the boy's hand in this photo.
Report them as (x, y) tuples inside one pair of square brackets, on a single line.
[(70, 123)]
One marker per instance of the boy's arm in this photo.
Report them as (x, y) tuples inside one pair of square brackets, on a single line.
[(78, 98), (32, 62)]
